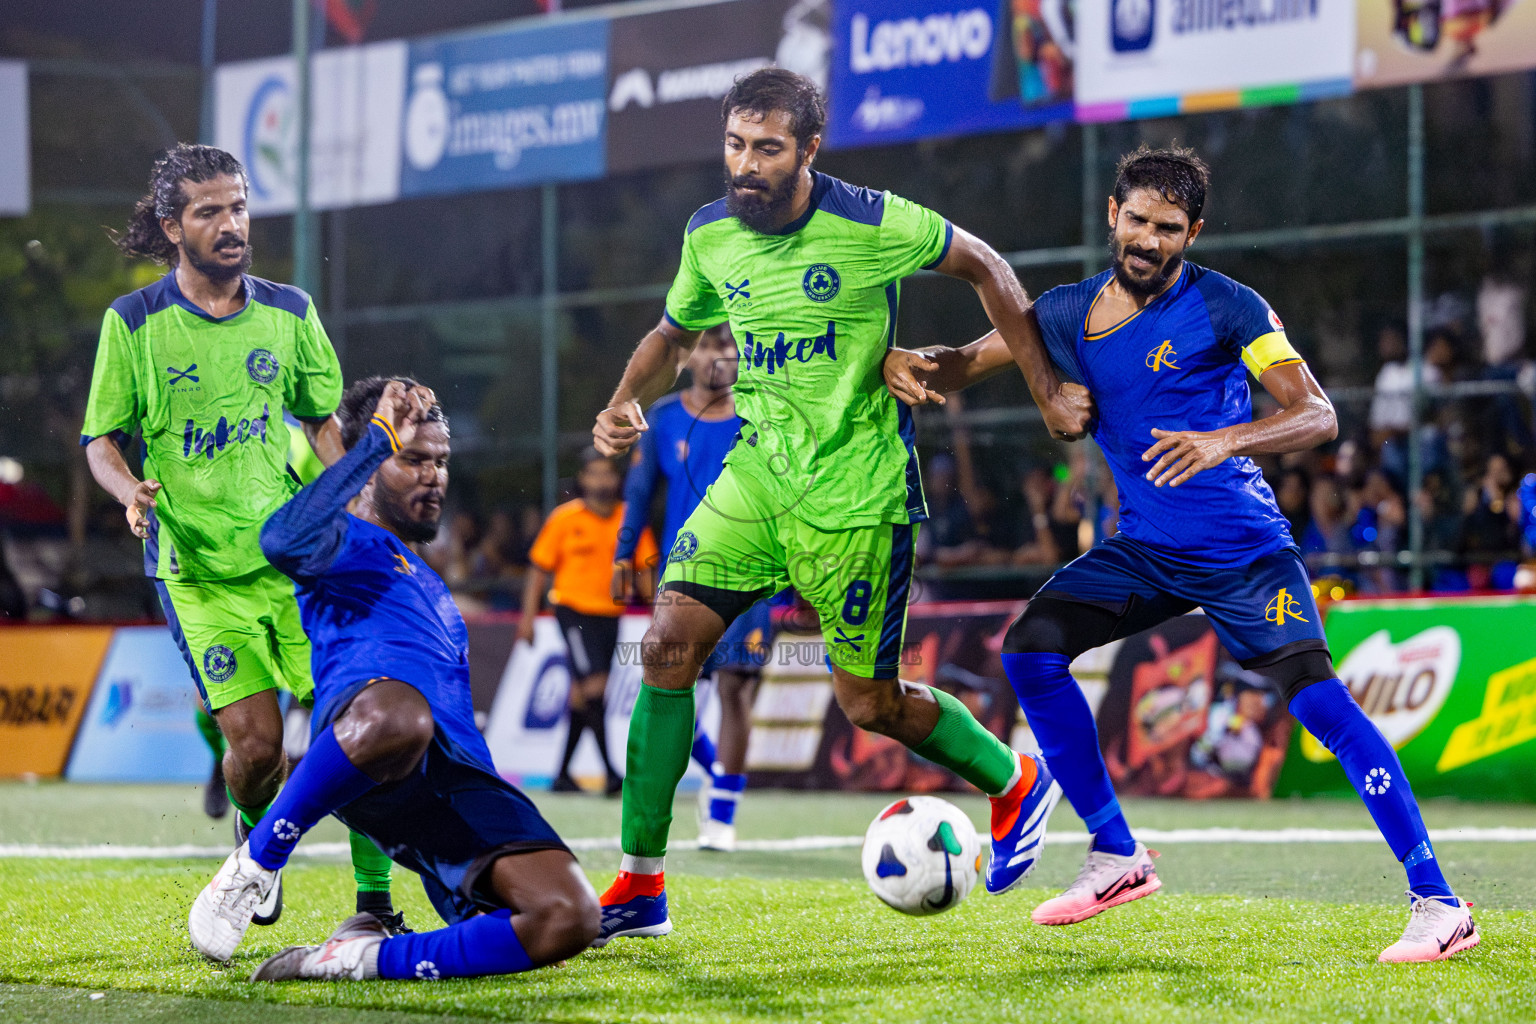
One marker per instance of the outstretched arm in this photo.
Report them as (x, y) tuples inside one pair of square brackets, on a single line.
[(1067, 413), (651, 373), (1306, 419), (303, 538)]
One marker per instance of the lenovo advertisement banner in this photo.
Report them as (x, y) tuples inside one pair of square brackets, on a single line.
[(1451, 683), (1404, 41), (668, 72), (913, 69), (504, 109), (1155, 58), (357, 94)]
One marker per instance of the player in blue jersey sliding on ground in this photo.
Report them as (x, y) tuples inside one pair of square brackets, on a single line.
[(690, 433), (395, 753), (1165, 348)]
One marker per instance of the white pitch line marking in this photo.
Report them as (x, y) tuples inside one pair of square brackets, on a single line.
[(1267, 837)]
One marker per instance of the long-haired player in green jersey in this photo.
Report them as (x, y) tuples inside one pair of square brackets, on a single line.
[(821, 491), (202, 364)]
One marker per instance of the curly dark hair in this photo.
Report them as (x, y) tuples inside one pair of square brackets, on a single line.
[(143, 237), (1175, 173), (362, 398), (766, 90)]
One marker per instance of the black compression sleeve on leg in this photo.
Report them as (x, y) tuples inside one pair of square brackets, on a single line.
[(1295, 667), (1053, 626)]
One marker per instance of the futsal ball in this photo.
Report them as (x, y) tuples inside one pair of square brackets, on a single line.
[(921, 855)]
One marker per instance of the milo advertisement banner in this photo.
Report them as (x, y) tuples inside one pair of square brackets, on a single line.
[(1452, 685)]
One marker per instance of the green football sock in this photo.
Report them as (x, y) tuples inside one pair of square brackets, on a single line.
[(964, 746), (660, 737), (210, 731), (370, 866), (250, 815)]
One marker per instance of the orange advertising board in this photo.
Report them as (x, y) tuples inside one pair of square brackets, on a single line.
[(46, 675)]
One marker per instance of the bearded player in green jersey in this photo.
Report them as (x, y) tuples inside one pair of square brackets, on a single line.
[(202, 363), (821, 491)]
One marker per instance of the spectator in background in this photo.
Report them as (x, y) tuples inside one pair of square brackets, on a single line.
[(1379, 525), (1490, 537), (1328, 532), (1036, 543), (945, 537), (451, 553), (1069, 502), (1294, 498), (1501, 322), (576, 548)]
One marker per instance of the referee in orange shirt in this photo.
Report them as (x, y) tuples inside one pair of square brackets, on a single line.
[(576, 548)]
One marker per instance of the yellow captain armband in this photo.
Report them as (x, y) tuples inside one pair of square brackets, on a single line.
[(1268, 351)]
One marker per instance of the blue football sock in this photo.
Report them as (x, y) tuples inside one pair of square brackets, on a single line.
[(323, 781), (485, 944), (1331, 715), (725, 796), (704, 751), (1063, 724)]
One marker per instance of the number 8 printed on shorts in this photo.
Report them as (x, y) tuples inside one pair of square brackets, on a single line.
[(856, 606)]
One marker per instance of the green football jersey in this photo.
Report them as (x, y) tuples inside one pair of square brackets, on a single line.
[(813, 309), (208, 395)]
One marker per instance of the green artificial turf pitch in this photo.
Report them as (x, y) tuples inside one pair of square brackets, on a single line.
[(1240, 932)]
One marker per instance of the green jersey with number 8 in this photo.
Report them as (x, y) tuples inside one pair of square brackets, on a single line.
[(208, 394), (813, 308)]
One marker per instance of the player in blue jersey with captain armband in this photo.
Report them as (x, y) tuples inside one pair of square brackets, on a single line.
[(690, 434), (1165, 348), (395, 753)]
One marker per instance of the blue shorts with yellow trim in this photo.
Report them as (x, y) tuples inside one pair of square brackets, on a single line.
[(1261, 611)]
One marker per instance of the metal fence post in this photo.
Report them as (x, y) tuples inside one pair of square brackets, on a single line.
[(549, 345), (1416, 329)]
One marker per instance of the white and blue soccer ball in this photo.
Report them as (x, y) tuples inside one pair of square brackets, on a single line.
[(921, 855)]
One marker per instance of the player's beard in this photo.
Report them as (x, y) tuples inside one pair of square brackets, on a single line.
[(764, 211), (1145, 287), (394, 510), (211, 268)]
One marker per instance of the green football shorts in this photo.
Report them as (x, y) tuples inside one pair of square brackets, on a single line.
[(240, 636), (739, 547)]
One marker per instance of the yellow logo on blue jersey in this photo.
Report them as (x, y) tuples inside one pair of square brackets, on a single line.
[(1162, 356), (405, 566), (1283, 606)]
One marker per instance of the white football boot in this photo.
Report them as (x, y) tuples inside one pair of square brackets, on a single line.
[(351, 953), (713, 834), (1435, 931), (223, 910), (1106, 880)]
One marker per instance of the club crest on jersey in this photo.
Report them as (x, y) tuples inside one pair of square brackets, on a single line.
[(684, 548), (262, 366), (219, 663), (1162, 356), (1283, 606), (821, 282)]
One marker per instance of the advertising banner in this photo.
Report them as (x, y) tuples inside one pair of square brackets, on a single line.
[(15, 141), (46, 674), (1404, 41), (1155, 58), (668, 71), (527, 723), (357, 96), (140, 726), (1450, 682), (913, 69), (503, 109)]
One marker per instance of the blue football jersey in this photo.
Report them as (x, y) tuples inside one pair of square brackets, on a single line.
[(688, 453), (370, 606), (1181, 363)]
